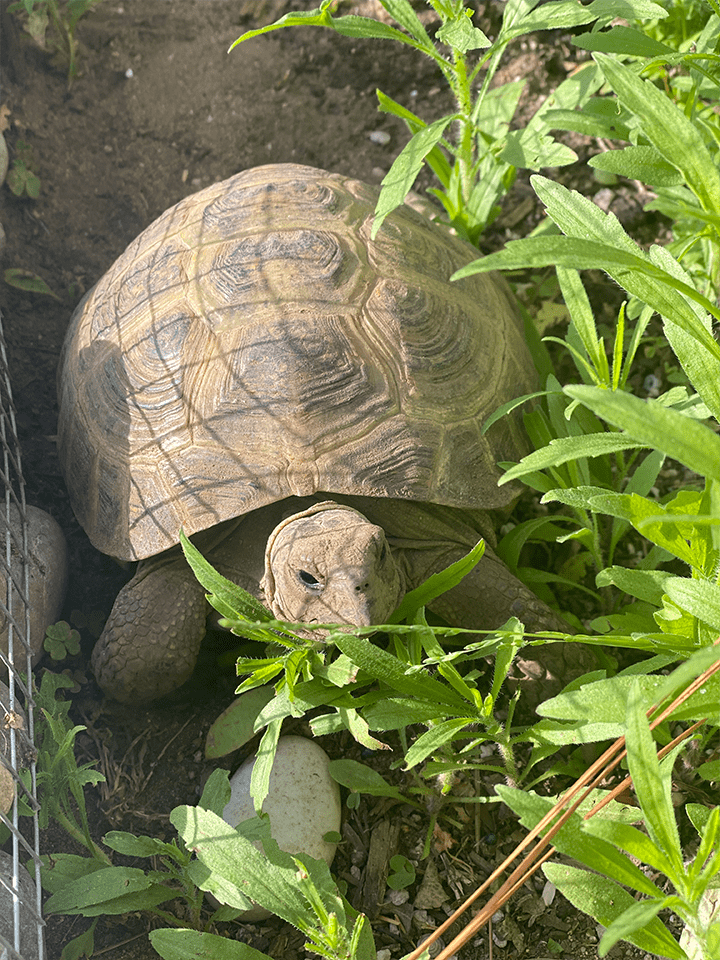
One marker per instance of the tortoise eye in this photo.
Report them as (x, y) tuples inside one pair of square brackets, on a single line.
[(309, 580)]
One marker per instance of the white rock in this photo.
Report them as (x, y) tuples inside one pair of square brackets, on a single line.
[(303, 802)]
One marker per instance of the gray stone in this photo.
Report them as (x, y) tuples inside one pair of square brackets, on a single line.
[(29, 949), (48, 573)]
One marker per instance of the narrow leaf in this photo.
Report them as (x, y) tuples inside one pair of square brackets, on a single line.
[(393, 672), (701, 598), (563, 449), (664, 123), (623, 40), (638, 163), (195, 945), (31, 282), (438, 583), (362, 779), (399, 179), (606, 901), (651, 424), (653, 790)]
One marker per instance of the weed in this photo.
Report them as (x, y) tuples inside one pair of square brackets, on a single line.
[(612, 847), (52, 25), (61, 640), (20, 178), (472, 152)]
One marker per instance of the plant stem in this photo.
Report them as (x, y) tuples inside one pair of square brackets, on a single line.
[(82, 837), (465, 153)]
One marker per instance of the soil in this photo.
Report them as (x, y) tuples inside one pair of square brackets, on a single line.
[(159, 111)]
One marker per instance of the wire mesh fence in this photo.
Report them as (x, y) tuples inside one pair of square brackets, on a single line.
[(21, 924)]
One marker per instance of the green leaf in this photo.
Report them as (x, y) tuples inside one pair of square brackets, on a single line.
[(236, 725), (632, 841), (195, 945), (350, 26), (647, 516), (700, 365), (131, 846), (651, 424), (437, 584), (635, 918), (698, 815), (360, 778), (82, 946), (647, 585), (667, 128), (233, 869), (381, 665), (216, 792), (638, 163), (438, 736), (600, 117), (264, 759), (233, 598), (701, 598), (653, 790), (461, 35), (603, 698), (395, 713), (530, 149), (63, 868), (572, 839), (631, 269), (556, 15), (402, 11), (107, 891), (577, 302), (359, 729), (563, 449), (31, 282), (399, 179), (623, 40), (628, 9), (605, 900)]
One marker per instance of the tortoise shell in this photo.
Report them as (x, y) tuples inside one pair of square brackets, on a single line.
[(254, 343)]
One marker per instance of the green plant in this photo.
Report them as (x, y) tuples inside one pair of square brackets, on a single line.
[(593, 468), (472, 151), (671, 126), (61, 640), (60, 18), (209, 856), (606, 846), (366, 689), (61, 781), (20, 178)]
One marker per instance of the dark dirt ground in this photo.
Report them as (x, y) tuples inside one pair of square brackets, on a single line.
[(158, 112)]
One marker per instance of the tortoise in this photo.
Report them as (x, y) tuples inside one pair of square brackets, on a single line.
[(257, 370)]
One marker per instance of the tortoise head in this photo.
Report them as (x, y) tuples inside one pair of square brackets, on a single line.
[(329, 564)]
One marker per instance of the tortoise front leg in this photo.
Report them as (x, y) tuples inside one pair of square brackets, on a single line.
[(153, 634)]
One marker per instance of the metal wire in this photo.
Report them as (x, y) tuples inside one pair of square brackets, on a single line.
[(18, 753)]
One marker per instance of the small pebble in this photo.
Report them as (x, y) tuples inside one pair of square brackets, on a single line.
[(651, 385), (379, 136), (129, 73), (396, 897)]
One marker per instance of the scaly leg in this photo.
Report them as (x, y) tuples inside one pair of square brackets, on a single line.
[(153, 634)]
